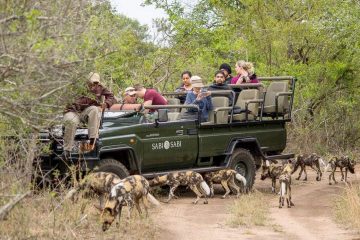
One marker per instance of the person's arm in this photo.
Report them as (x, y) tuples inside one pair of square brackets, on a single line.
[(109, 98)]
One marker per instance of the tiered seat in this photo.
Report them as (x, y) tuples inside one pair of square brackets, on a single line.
[(276, 100), (247, 105)]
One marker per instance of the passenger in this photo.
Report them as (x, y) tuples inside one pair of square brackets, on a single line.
[(246, 74), (150, 96), (129, 97), (86, 109), (227, 71), (219, 84), (200, 98), (185, 86)]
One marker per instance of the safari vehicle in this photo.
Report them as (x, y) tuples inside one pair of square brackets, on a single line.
[(239, 136)]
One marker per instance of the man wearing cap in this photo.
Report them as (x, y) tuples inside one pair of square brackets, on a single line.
[(226, 69), (150, 96), (200, 98), (86, 109), (130, 97)]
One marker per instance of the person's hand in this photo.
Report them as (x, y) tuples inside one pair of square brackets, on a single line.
[(102, 106)]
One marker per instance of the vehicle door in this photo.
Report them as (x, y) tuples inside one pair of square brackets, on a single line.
[(169, 145)]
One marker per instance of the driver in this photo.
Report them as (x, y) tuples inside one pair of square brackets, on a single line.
[(86, 109)]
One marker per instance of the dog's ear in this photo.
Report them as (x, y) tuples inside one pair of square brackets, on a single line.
[(275, 161)]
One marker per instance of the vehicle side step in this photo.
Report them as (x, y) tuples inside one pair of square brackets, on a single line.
[(280, 156), (199, 170)]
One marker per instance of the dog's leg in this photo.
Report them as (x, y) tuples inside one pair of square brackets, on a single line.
[(291, 203), (346, 170), (137, 205), (211, 185), (226, 187), (233, 185), (300, 173), (172, 190), (305, 179), (332, 172), (196, 191), (281, 194), (333, 176), (118, 212), (273, 184), (342, 174), (318, 172), (146, 204)]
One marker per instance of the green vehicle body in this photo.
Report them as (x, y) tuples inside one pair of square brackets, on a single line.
[(154, 148)]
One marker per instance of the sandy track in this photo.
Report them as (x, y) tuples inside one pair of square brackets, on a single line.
[(311, 218)]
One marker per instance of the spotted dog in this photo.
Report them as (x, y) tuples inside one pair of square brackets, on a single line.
[(272, 171), (341, 162), (128, 192), (285, 185), (226, 177), (99, 183), (311, 160), (191, 179)]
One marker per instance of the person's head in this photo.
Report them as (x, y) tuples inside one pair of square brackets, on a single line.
[(196, 83), (226, 69), (242, 67), (93, 80), (185, 77), (139, 90), (130, 95), (219, 77)]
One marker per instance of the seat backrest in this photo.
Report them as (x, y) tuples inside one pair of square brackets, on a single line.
[(173, 101), (272, 90), (248, 94), (221, 116)]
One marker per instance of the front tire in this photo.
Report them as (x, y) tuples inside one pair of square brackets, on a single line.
[(113, 166), (243, 162)]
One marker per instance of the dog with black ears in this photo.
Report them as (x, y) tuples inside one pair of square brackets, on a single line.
[(98, 183), (285, 185), (341, 162), (128, 192), (272, 171), (312, 160), (226, 177), (191, 179)]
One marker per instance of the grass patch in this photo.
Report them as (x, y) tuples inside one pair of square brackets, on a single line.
[(45, 216), (347, 207), (250, 210)]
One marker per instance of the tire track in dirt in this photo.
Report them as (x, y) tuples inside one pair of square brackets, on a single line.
[(311, 218)]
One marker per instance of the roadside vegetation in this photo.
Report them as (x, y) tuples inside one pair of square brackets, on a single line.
[(347, 207)]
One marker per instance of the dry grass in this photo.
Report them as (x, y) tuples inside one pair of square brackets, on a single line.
[(45, 216), (250, 210), (347, 207)]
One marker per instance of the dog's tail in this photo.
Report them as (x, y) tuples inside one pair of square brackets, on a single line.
[(241, 178), (282, 188), (71, 193), (153, 200), (205, 188)]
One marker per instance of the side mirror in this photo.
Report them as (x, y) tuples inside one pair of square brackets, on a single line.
[(163, 115)]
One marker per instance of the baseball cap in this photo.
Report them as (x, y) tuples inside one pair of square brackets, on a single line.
[(94, 78), (130, 91)]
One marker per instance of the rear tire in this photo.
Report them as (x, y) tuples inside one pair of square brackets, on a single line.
[(113, 166), (243, 162)]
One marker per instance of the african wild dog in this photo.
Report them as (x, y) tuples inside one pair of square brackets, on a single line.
[(285, 185), (272, 171), (311, 160), (128, 192), (227, 179), (99, 183), (342, 162), (191, 179)]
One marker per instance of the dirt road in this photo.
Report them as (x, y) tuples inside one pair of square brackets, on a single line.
[(311, 218)]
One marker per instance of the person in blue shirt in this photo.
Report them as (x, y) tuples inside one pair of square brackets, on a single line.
[(200, 98)]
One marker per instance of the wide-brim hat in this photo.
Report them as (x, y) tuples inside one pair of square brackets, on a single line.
[(196, 81), (94, 78), (130, 91)]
